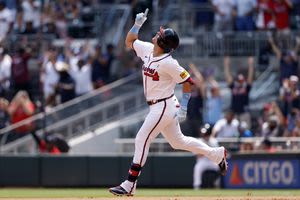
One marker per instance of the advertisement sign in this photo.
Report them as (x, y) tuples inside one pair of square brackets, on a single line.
[(275, 173)]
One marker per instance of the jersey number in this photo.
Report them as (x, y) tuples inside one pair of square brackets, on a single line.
[(155, 76)]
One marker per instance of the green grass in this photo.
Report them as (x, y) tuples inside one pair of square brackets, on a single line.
[(93, 192)]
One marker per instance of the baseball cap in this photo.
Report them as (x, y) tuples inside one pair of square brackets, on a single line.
[(61, 66), (294, 78)]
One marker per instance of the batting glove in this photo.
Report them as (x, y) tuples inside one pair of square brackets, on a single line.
[(141, 18), (181, 114)]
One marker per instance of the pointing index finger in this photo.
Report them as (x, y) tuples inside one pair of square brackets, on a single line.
[(146, 12)]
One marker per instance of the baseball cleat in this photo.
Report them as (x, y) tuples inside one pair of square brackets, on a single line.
[(223, 165), (119, 191)]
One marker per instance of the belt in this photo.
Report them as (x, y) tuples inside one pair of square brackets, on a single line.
[(152, 102)]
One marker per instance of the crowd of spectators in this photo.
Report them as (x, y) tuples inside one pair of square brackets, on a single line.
[(70, 71), (278, 118), (248, 15)]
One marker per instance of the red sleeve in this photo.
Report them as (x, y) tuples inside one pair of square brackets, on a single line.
[(42, 146), (32, 107), (55, 150)]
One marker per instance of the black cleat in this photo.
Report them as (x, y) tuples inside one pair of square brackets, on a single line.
[(119, 191), (223, 165)]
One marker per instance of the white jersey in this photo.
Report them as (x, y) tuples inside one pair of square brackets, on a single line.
[(160, 74)]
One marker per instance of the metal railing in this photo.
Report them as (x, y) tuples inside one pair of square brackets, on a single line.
[(86, 112), (227, 43), (161, 145)]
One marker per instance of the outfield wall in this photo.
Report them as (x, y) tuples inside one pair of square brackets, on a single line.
[(246, 171)]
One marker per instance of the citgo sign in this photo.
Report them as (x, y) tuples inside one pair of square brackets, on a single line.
[(263, 174)]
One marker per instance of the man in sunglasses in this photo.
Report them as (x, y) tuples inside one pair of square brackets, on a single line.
[(161, 73)]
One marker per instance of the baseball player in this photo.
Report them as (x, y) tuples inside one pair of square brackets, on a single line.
[(161, 73)]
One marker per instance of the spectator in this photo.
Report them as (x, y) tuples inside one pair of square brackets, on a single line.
[(244, 130), (209, 93), (49, 76), (31, 16), (48, 19), (213, 103), (61, 24), (267, 146), (66, 85), (5, 73), (195, 105), (203, 164), (281, 9), (292, 119), (203, 18), (20, 108), (98, 65), (6, 21), (4, 118), (290, 95), (244, 12), (82, 76), (288, 59), (223, 14), (226, 127), (274, 126), (109, 56), (265, 15), (296, 129), (51, 143), (240, 89), (20, 72)]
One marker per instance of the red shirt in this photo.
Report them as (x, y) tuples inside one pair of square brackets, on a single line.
[(19, 68), (266, 6), (281, 10), (44, 149), (20, 115)]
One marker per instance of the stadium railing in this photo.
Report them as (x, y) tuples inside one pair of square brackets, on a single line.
[(82, 113), (160, 145)]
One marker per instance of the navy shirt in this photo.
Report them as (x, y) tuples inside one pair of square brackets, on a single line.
[(66, 94), (240, 96)]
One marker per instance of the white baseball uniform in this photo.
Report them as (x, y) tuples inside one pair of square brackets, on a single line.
[(160, 76)]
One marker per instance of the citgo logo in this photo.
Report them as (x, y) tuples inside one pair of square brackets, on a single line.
[(262, 173), (235, 178)]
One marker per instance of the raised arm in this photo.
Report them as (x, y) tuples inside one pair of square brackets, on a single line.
[(274, 47), (289, 3), (199, 82), (250, 70), (297, 47), (132, 35), (227, 72)]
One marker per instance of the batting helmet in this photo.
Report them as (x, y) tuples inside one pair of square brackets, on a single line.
[(167, 39)]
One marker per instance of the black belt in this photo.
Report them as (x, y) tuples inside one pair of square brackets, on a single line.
[(159, 100)]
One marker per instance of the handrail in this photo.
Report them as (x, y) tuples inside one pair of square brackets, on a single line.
[(72, 102), (221, 140)]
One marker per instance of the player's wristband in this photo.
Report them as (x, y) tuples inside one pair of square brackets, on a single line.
[(185, 100), (135, 29)]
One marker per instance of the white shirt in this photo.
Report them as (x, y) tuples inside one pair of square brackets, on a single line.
[(31, 12), (244, 6), (6, 18), (50, 78), (223, 129), (160, 74), (5, 70), (225, 7), (82, 77)]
